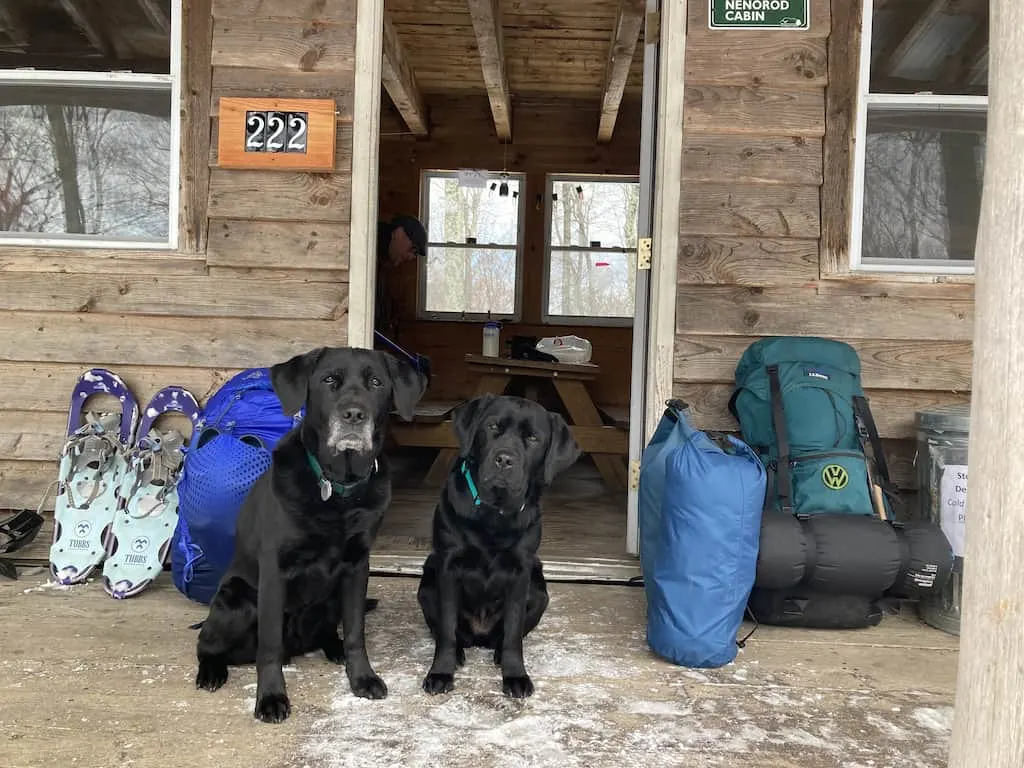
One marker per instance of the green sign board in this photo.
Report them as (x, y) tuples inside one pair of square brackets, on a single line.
[(759, 14)]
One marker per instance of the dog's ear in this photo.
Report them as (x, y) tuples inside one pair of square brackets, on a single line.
[(563, 450), (407, 385), (291, 379), (466, 420)]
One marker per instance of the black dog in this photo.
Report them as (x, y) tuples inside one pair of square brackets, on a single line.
[(482, 583), (304, 532)]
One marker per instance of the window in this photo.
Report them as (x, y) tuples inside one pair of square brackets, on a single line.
[(920, 143), (474, 224), (89, 123), (590, 272)]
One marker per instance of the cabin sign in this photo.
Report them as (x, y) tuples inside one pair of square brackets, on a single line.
[(759, 14)]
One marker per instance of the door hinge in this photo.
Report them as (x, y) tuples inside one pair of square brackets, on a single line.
[(652, 27), (643, 253), (634, 475)]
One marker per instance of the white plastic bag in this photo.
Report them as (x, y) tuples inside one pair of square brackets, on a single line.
[(567, 349)]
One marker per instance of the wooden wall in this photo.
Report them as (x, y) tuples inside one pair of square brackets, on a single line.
[(549, 136), (261, 272), (750, 259)]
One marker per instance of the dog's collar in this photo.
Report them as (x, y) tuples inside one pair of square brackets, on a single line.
[(476, 494), (329, 487)]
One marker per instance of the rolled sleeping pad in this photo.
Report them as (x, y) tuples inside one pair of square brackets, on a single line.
[(801, 606), (851, 554)]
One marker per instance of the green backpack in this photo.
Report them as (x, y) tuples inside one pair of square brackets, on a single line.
[(800, 406)]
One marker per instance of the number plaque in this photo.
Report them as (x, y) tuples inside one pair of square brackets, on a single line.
[(276, 134)]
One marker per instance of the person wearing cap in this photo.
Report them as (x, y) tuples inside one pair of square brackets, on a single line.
[(399, 241)]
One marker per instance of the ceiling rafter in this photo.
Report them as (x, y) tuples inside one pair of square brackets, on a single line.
[(629, 23), (895, 53), (155, 13), (489, 40), (83, 13), (399, 81)]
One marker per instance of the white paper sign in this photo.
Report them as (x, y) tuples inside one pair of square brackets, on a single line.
[(472, 179), (953, 498)]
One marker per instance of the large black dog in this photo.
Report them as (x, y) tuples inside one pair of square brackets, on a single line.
[(304, 531), (483, 584)]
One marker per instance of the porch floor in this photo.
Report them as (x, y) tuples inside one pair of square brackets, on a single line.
[(87, 681)]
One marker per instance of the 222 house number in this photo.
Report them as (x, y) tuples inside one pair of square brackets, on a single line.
[(276, 131)]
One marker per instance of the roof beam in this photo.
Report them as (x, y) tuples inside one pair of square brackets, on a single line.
[(12, 23), (400, 81), (628, 24), (918, 30), (156, 16), (962, 67), (487, 27), (83, 13)]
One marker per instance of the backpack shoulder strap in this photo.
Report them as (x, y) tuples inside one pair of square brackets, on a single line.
[(783, 487), (863, 414)]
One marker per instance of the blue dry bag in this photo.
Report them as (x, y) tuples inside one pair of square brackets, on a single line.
[(700, 522), (229, 450)]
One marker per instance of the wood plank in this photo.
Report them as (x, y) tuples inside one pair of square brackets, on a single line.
[(278, 244), (278, 196), (202, 342), (893, 409), (98, 261), (934, 365), (747, 261), (191, 296), (23, 483), (761, 111), (47, 387), (265, 275), (399, 81), (697, 23), (31, 435), (884, 285), (342, 151), (755, 59), (486, 15), (628, 25), (752, 210), (252, 83), (197, 40), (301, 10), (261, 43), (751, 159), (840, 129), (796, 311)]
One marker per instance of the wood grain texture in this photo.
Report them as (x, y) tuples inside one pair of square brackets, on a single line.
[(750, 210), (296, 196), (628, 26), (760, 111), (399, 81), (885, 364), (755, 59), (241, 81), (278, 244), (32, 435), (282, 44), (486, 18), (747, 261), (197, 42), (97, 261), (191, 296), (24, 483), (697, 18), (267, 275), (296, 10), (342, 149), (802, 311), (749, 159), (116, 340), (321, 132)]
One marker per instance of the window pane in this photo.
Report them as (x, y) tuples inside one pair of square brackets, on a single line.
[(112, 34), (922, 184), (471, 280), (455, 213), (85, 160), (589, 284), (914, 49), (598, 214)]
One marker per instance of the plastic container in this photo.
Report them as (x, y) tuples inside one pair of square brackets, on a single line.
[(492, 331), (566, 349), (942, 435)]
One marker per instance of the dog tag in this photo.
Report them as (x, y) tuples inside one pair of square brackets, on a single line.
[(325, 488)]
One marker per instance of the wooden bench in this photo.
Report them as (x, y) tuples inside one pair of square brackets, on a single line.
[(430, 412), (618, 415)]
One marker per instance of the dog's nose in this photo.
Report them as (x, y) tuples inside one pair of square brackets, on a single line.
[(504, 460), (353, 415)]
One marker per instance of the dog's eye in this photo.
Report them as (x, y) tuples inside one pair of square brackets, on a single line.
[(375, 382), (331, 380), (532, 438), (493, 426)]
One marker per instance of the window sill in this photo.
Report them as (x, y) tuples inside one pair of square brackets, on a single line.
[(589, 322), (874, 275)]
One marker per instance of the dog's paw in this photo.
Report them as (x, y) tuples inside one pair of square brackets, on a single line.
[(371, 604), (517, 687), (437, 682), (497, 656), (334, 650), (211, 675), (460, 655), (369, 687), (273, 708)]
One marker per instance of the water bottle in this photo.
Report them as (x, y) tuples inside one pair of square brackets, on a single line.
[(491, 331)]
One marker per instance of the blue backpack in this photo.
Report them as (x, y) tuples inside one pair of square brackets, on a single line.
[(700, 506), (230, 448)]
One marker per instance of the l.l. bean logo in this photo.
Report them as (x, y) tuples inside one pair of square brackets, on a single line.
[(835, 477)]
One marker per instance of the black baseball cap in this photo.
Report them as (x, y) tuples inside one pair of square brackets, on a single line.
[(414, 229)]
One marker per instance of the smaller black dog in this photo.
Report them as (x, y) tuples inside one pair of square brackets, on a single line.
[(305, 529), (483, 584)]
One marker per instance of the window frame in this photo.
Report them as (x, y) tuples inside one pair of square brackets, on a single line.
[(422, 313), (867, 101), (121, 80), (547, 318)]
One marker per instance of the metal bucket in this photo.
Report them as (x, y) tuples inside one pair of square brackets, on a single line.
[(942, 435)]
